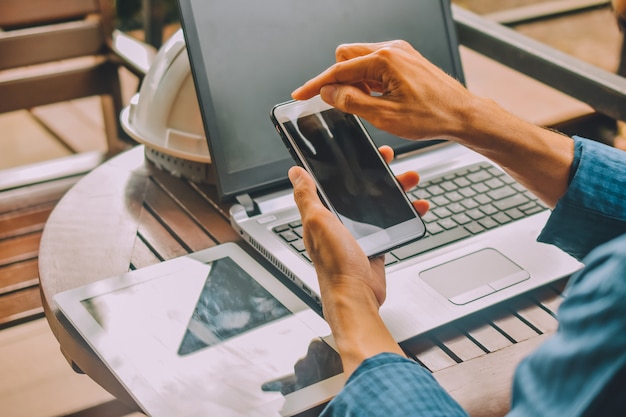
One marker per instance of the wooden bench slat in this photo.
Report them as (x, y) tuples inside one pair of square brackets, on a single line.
[(430, 355), (25, 221), (484, 333), (20, 12), (209, 193), (60, 41), (529, 311), (179, 223), (20, 248), (19, 275), (19, 306), (483, 385), (142, 255), (508, 323), (158, 237), (548, 298), (210, 218), (87, 79), (457, 343)]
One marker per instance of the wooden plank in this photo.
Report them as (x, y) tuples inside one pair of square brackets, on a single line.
[(25, 221), (36, 45), (533, 314), (20, 12), (158, 237), (208, 216), (457, 343), (72, 126), (548, 298), (19, 275), (20, 248), (142, 255), (509, 324), (209, 193), (425, 351), (483, 333), (483, 385), (175, 219), (83, 80), (20, 305)]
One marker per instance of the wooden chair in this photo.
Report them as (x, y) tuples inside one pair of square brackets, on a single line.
[(55, 51)]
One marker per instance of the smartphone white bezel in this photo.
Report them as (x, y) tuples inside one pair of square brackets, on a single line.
[(374, 244)]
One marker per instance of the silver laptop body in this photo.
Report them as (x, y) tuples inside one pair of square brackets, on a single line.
[(244, 63)]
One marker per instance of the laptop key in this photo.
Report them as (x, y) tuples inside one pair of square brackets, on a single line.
[(474, 228), (502, 192), (510, 202), (534, 210), (289, 236)]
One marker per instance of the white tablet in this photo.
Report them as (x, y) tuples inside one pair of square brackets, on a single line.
[(208, 334)]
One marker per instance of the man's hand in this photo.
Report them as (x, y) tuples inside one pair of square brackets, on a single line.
[(338, 259), (415, 99), (352, 286)]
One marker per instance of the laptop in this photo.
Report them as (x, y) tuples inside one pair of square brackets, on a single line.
[(247, 55)]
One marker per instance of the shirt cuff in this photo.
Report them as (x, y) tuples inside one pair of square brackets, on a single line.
[(592, 211), (389, 385)]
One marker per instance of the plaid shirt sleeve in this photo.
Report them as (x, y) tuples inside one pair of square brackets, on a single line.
[(388, 385), (581, 369), (593, 211)]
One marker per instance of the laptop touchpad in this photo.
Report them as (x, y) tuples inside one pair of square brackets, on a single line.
[(474, 276)]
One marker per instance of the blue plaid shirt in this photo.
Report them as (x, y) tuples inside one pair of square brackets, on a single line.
[(581, 369)]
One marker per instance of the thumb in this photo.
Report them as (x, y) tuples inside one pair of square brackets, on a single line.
[(304, 189)]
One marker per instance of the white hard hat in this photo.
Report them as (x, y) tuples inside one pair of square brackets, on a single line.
[(164, 115)]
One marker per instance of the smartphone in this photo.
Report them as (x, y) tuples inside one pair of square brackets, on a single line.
[(353, 180)]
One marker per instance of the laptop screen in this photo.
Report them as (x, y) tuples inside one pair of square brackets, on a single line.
[(248, 55)]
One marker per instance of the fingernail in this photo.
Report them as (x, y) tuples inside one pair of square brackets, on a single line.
[(294, 175), (295, 92)]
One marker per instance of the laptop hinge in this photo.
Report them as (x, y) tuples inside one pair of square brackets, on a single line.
[(251, 207)]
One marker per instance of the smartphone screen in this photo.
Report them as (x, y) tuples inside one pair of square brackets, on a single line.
[(351, 176)]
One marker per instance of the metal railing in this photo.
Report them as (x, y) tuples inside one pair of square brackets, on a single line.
[(604, 91)]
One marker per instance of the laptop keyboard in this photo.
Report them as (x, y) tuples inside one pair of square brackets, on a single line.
[(463, 203)]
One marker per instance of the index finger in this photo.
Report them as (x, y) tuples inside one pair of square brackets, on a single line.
[(353, 71)]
